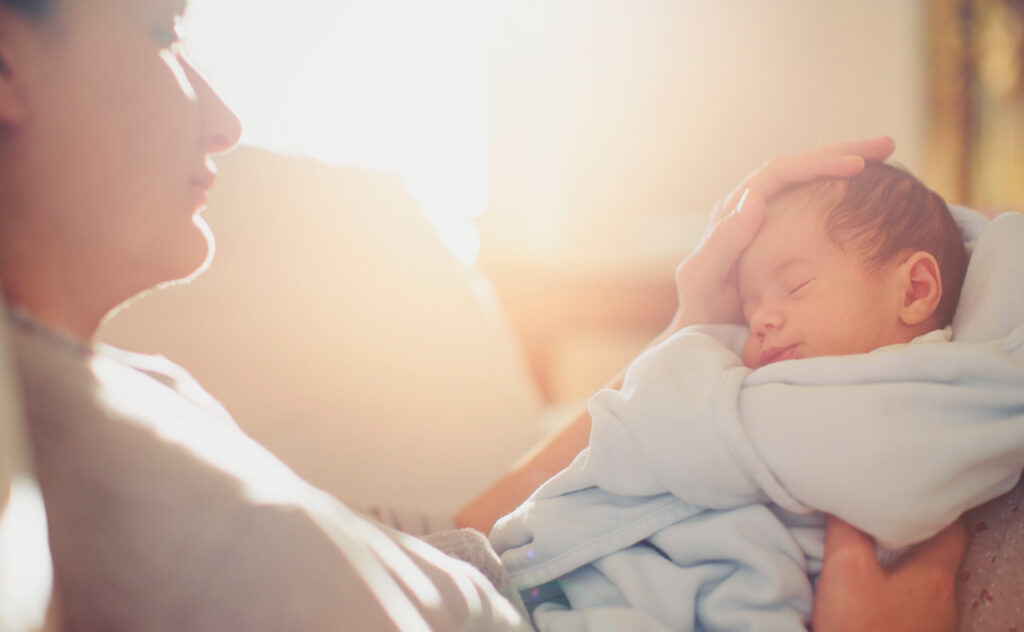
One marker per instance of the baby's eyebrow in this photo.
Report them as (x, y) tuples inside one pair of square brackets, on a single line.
[(789, 263), (778, 269)]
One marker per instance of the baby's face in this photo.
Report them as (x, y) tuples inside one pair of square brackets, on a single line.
[(803, 296)]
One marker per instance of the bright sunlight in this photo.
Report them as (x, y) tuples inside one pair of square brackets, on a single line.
[(389, 84)]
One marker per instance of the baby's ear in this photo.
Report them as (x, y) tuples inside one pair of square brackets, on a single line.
[(922, 282)]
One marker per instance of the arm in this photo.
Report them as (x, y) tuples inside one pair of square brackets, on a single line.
[(707, 294), (545, 460), (856, 594), (549, 457)]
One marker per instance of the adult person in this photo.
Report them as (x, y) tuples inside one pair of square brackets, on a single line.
[(162, 514)]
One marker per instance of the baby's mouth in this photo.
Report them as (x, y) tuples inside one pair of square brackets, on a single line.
[(777, 354)]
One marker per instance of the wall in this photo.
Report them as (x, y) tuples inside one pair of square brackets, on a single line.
[(617, 123)]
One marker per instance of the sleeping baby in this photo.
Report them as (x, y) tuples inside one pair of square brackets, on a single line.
[(699, 502), (849, 266)]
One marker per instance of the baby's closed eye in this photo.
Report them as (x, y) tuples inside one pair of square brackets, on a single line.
[(798, 286)]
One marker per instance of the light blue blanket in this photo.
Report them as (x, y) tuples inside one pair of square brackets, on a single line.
[(698, 504)]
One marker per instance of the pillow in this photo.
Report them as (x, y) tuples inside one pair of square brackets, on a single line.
[(341, 334)]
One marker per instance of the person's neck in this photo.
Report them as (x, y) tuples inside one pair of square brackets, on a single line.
[(54, 301), (60, 318)]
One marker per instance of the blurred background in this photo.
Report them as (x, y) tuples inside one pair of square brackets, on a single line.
[(550, 163)]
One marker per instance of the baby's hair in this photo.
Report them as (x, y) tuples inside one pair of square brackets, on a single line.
[(884, 211)]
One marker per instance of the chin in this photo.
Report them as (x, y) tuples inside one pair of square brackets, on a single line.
[(190, 257), (207, 249)]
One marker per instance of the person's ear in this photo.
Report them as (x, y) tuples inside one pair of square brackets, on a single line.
[(13, 108), (921, 283)]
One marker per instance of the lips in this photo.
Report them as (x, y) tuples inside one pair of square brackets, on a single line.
[(204, 180), (776, 354)]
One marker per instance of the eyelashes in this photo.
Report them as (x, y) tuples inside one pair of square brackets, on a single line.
[(799, 287), (166, 36), (751, 305)]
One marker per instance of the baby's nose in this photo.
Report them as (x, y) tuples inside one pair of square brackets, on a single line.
[(766, 319)]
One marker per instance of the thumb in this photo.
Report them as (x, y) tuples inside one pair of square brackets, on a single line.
[(847, 545)]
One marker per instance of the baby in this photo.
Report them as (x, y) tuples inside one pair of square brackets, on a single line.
[(698, 502), (848, 266)]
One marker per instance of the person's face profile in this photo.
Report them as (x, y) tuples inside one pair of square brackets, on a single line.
[(122, 129)]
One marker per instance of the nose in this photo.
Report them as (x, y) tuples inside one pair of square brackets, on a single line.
[(221, 128), (765, 319)]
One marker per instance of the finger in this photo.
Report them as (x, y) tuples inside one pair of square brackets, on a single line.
[(846, 544), (944, 550), (805, 168), (837, 161), (779, 173), (871, 149), (731, 235)]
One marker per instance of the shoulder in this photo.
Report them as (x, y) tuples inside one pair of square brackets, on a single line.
[(161, 518), (128, 498)]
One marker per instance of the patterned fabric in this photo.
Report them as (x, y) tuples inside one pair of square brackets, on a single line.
[(990, 587)]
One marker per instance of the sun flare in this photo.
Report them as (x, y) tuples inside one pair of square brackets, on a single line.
[(386, 84)]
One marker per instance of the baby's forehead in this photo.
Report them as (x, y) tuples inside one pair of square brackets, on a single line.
[(791, 221), (812, 198), (793, 230)]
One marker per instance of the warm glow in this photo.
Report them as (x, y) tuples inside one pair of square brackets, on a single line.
[(462, 239), (389, 84), (26, 574)]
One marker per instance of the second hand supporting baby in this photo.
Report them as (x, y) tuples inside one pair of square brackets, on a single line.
[(697, 504)]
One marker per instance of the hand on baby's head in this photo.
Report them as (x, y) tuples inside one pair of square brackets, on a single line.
[(844, 267)]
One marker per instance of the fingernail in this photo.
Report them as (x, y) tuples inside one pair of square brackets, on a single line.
[(743, 200), (855, 162)]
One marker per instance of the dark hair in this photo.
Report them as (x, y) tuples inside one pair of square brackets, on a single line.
[(34, 8), (884, 211)]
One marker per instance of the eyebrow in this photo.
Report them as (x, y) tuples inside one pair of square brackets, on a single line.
[(789, 263)]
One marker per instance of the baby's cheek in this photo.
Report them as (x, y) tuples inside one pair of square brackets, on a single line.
[(751, 351)]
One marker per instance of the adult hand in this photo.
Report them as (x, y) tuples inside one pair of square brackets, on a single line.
[(855, 594), (706, 280)]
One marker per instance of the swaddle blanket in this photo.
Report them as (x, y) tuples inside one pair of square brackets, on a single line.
[(697, 505)]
